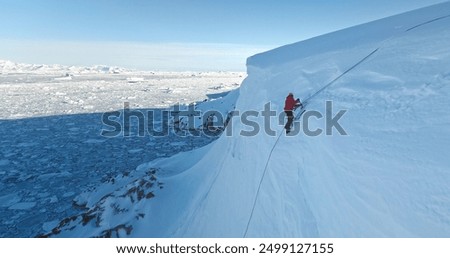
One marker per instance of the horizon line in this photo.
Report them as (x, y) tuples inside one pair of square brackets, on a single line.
[(145, 56)]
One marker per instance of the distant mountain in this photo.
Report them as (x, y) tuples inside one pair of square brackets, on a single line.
[(8, 67)]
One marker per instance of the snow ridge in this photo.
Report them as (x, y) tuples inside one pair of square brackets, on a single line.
[(386, 178)]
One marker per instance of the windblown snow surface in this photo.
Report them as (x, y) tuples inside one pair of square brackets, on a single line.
[(388, 177)]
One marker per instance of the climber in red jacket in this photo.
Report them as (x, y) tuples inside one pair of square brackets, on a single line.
[(289, 106)]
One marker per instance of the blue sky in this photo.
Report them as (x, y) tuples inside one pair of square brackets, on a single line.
[(173, 34)]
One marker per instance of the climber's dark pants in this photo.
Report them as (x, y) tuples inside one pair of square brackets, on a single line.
[(290, 117)]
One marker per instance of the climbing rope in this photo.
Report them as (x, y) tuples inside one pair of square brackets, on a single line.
[(260, 183), (342, 74)]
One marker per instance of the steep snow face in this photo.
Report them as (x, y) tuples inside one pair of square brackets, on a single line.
[(388, 177)]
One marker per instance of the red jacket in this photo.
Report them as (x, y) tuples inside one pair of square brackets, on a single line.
[(290, 103)]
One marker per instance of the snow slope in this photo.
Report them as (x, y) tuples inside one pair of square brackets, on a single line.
[(389, 177)]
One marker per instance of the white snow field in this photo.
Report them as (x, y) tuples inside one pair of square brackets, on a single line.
[(387, 177), (43, 90)]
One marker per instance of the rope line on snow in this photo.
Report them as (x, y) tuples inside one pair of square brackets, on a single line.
[(342, 74), (430, 21), (260, 183)]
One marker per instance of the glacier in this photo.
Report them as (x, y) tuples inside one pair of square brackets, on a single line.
[(388, 177)]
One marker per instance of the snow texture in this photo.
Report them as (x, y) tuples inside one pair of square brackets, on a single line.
[(388, 177)]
